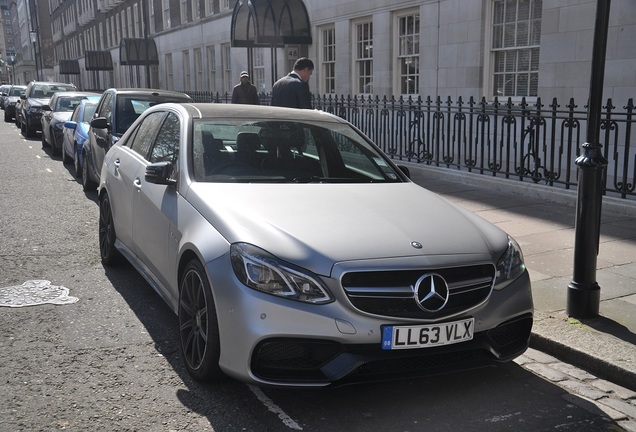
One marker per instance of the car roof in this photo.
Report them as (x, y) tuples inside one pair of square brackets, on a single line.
[(229, 111), (145, 91)]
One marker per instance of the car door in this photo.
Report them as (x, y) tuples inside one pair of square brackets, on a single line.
[(125, 165), (155, 207), (100, 137)]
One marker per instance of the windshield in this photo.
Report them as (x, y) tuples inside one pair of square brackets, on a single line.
[(285, 151), (16, 91), (131, 107), (41, 91), (89, 110)]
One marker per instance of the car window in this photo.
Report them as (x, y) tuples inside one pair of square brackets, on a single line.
[(142, 139), (105, 108), (16, 91), (285, 151), (166, 146), (89, 110)]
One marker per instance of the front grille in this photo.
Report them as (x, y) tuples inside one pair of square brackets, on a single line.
[(390, 293)]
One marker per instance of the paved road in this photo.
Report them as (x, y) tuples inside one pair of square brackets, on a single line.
[(110, 360)]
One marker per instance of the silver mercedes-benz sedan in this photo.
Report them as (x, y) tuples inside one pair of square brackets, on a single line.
[(295, 253)]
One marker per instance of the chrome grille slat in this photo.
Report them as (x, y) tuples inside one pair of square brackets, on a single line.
[(390, 293)]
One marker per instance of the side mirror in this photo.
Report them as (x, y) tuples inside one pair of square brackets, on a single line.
[(46, 108), (159, 173), (70, 124), (99, 123), (23, 97), (405, 170)]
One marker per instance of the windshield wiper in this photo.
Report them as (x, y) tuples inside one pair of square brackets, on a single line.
[(317, 179)]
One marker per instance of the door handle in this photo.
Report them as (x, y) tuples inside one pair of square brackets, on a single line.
[(137, 183)]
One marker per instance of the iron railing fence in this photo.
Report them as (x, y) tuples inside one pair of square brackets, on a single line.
[(524, 141)]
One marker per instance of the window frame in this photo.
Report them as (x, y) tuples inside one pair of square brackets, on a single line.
[(399, 55), (328, 60), (490, 67), (363, 65)]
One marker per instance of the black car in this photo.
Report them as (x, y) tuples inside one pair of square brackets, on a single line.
[(36, 96), (10, 101), (54, 115), (116, 111)]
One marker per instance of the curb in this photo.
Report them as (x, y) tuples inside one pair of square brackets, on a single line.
[(594, 365)]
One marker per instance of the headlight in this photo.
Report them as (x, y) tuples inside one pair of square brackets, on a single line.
[(510, 265), (35, 109), (262, 271)]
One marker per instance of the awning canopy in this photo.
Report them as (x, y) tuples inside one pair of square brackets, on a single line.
[(138, 52), (69, 67), (270, 23), (98, 60)]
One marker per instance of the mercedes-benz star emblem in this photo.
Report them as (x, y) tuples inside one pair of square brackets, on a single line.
[(431, 292)]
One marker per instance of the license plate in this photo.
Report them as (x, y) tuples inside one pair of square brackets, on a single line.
[(422, 336)]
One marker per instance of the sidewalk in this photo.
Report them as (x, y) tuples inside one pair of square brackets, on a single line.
[(541, 219)]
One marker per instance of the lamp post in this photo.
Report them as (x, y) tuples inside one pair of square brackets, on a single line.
[(584, 293), (11, 64), (34, 39)]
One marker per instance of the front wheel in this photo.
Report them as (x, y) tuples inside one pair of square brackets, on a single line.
[(198, 325), (107, 250), (76, 161)]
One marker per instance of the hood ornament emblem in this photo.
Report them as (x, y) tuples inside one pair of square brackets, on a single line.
[(416, 245)]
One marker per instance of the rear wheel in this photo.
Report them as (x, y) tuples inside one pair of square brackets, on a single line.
[(29, 132), (107, 250), (198, 325), (87, 183)]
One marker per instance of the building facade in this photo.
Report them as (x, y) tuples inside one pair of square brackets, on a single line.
[(445, 48)]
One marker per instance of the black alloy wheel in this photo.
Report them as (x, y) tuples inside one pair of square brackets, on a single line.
[(76, 161), (55, 150), (107, 250), (198, 325), (87, 184)]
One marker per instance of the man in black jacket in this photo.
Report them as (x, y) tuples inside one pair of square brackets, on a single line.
[(245, 92), (293, 90)]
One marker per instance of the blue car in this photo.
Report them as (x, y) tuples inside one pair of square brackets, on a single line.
[(76, 132)]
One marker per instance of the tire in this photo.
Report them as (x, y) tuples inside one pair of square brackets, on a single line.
[(108, 252), (66, 159), (44, 142), (87, 184), (76, 161), (198, 325), (7, 117), (55, 150), (29, 132)]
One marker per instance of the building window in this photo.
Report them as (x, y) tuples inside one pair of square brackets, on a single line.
[(328, 60), (226, 62), (198, 70), (187, 75), (169, 73), (211, 52), (364, 57), (166, 14), (225, 5), (409, 53), (259, 69), (516, 34), (186, 11), (209, 7)]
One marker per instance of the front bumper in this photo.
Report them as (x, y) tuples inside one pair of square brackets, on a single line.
[(274, 341)]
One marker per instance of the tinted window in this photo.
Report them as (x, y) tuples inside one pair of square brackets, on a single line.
[(167, 144), (143, 137), (285, 151)]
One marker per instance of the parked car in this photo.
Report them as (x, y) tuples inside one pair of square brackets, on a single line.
[(37, 95), (76, 133), (10, 101), (116, 111), (18, 113), (4, 92), (295, 253), (56, 112)]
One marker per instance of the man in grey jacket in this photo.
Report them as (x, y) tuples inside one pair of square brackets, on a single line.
[(292, 90)]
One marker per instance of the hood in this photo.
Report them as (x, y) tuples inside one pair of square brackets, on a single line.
[(37, 102), (318, 225), (62, 116)]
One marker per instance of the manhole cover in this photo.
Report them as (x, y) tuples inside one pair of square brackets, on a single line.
[(35, 292)]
